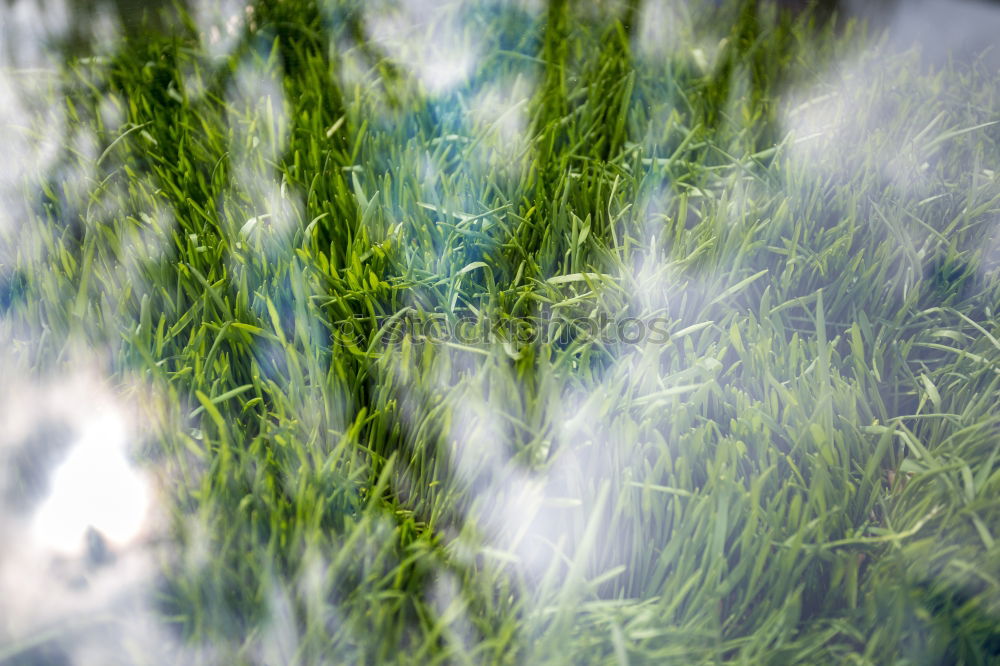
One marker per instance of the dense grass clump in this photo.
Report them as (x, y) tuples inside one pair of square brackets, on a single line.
[(633, 338)]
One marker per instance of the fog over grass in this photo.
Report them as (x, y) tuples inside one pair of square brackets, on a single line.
[(726, 282)]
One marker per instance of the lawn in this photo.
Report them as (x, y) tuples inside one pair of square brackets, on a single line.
[(499, 332)]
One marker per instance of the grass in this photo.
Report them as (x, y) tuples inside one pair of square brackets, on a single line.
[(805, 471)]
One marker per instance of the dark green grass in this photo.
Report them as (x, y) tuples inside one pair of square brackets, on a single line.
[(806, 471)]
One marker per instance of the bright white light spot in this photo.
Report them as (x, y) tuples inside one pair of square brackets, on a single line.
[(220, 23), (421, 35), (451, 70), (95, 487)]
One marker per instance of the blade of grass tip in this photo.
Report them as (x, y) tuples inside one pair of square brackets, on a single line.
[(893, 538), (979, 328), (739, 286), (382, 483), (82, 295), (221, 398), (823, 346), (118, 140), (932, 391), (951, 134), (220, 424), (210, 290), (575, 277)]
